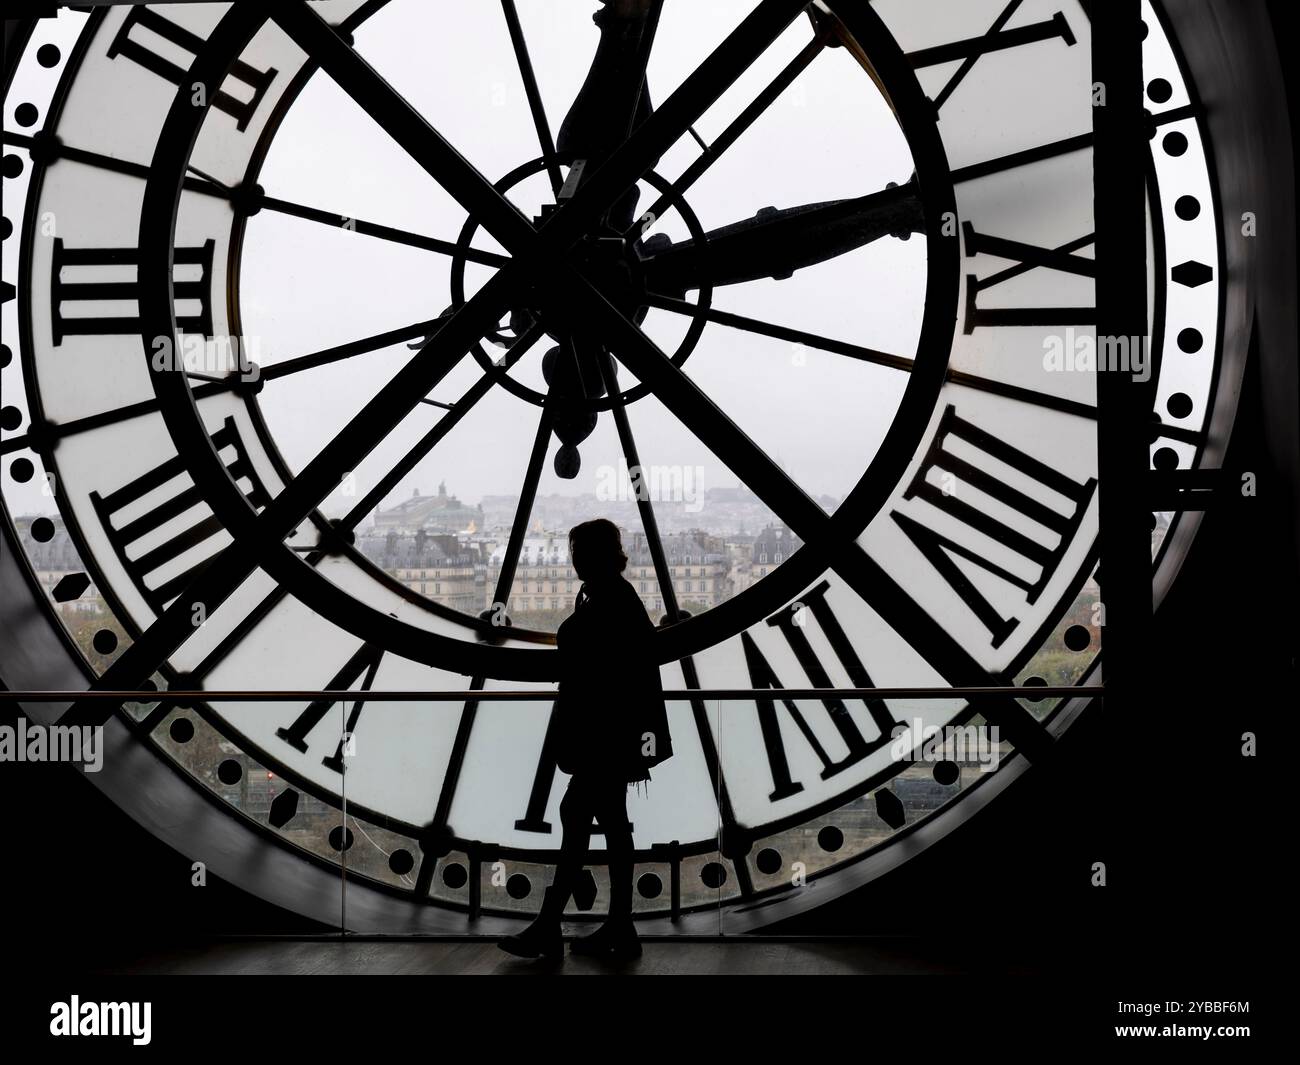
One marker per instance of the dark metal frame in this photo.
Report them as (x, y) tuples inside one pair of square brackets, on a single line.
[(1144, 539), (1123, 403)]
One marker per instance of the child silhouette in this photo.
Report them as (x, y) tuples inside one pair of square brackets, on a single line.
[(609, 727)]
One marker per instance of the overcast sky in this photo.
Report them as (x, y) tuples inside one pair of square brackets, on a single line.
[(305, 286)]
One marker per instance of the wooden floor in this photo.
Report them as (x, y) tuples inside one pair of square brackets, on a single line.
[(298, 957)]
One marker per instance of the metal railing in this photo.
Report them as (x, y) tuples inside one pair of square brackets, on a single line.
[(676, 695)]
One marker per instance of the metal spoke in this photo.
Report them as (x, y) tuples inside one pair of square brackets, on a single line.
[(455, 413), (698, 413), (108, 162), (233, 382), (111, 417), (780, 332), (328, 356), (208, 187), (406, 126), (388, 233), (714, 151), (643, 61), (1055, 149), (1065, 146), (527, 496), (1024, 395), (644, 505), (878, 358), (436, 831)]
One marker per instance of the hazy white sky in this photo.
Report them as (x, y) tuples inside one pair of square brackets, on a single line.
[(305, 286)]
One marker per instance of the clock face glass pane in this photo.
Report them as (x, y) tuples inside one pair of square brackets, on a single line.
[(854, 446)]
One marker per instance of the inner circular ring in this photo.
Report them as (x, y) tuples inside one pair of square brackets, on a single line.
[(501, 374), (178, 408)]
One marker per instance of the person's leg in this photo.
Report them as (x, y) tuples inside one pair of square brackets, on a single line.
[(611, 812), (617, 936), (543, 935), (576, 811)]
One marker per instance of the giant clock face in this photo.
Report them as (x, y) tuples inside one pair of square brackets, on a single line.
[(275, 264)]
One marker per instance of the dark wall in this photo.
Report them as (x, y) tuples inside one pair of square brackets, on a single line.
[(79, 870)]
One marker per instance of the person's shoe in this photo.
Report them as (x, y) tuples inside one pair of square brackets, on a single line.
[(541, 939), (535, 941), (617, 940)]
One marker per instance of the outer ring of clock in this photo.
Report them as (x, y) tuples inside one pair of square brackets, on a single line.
[(310, 887)]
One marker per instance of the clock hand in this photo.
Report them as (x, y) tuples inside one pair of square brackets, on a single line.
[(776, 243), (614, 98)]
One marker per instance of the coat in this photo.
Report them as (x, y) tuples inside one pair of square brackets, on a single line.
[(610, 715)]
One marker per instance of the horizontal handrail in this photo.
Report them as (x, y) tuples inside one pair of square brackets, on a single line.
[(680, 695)]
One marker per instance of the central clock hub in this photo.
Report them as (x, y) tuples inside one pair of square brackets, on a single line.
[(615, 257), (612, 264)]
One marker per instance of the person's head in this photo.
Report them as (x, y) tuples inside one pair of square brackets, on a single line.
[(596, 550)]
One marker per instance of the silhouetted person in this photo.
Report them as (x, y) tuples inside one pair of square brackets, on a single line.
[(609, 728)]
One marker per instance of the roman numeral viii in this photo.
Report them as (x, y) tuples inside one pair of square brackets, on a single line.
[(951, 496), (792, 622), (131, 528)]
